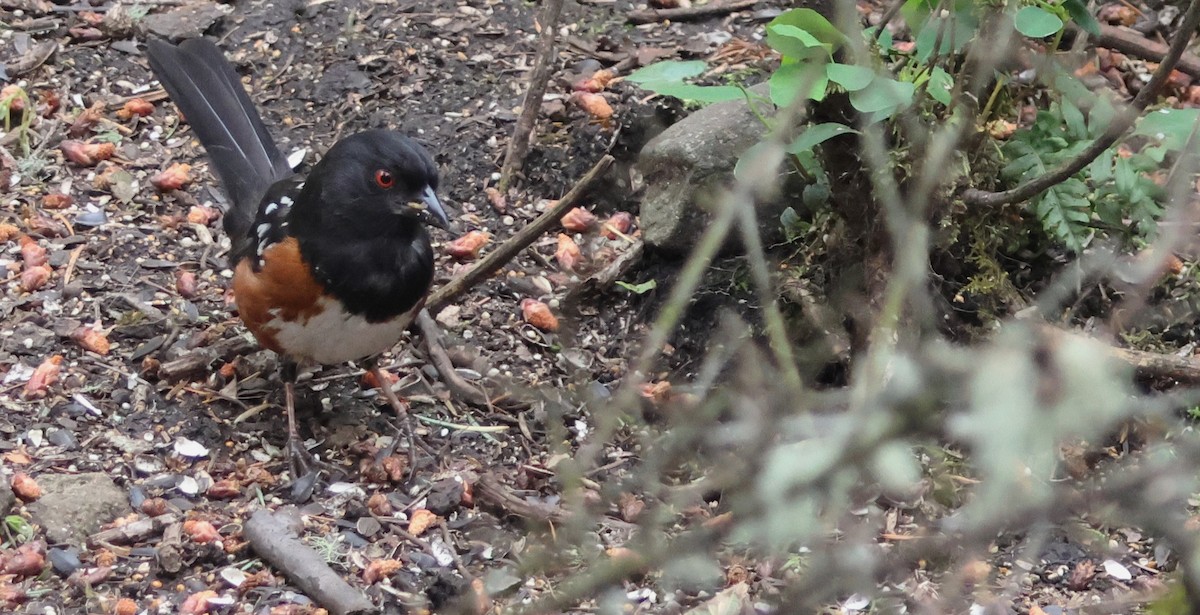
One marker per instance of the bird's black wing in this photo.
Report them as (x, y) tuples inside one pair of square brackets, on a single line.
[(205, 87)]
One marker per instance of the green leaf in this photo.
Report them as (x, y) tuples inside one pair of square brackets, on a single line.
[(955, 30), (1037, 22), (795, 43), (788, 80), (789, 218), (817, 134), (1101, 170), (1082, 17), (883, 94), (669, 70), (699, 93), (1071, 88), (811, 22), (1064, 212), (1073, 120), (639, 289), (1171, 127), (1100, 117), (940, 85), (20, 528), (816, 195), (750, 159), (1126, 177), (109, 136), (849, 76), (884, 39)]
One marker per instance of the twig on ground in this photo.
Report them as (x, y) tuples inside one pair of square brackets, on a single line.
[(458, 385), (199, 359), (610, 273), (492, 492), (1152, 365), (509, 249), (518, 145), (1116, 129), (270, 538), (1132, 43), (691, 13), (169, 552), (136, 531), (71, 262)]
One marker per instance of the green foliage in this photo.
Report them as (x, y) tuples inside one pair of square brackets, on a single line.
[(18, 529), (1115, 190), (806, 42), (1037, 22), (1114, 193), (667, 78), (639, 289)]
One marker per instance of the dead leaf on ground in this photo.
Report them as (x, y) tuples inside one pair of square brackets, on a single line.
[(578, 220), (43, 377), (567, 253), (173, 177), (380, 569), (25, 487), (92, 339), (468, 246), (138, 107), (539, 315), (87, 154), (420, 521)]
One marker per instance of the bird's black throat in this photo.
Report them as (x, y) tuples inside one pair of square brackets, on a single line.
[(377, 276)]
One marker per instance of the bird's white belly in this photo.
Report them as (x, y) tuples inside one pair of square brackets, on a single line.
[(333, 335)]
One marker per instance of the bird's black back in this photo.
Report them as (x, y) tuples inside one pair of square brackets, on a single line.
[(205, 87)]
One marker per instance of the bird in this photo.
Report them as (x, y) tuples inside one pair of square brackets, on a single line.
[(329, 267)]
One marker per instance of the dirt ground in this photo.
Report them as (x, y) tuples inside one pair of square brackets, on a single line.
[(142, 269)]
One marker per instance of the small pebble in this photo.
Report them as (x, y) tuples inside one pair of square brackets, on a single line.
[(64, 561)]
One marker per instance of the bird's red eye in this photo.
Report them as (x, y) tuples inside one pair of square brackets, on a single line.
[(384, 178)]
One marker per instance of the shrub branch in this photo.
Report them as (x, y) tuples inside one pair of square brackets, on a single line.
[(1120, 125)]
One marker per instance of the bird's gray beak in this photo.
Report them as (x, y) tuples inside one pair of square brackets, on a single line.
[(429, 209)]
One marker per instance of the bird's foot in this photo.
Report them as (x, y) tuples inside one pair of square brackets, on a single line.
[(306, 469)]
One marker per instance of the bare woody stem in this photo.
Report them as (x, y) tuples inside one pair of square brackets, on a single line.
[(1120, 124), (518, 146), (510, 248)]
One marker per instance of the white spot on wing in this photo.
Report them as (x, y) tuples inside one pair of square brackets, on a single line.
[(263, 229), (295, 158), (271, 207), (286, 200)]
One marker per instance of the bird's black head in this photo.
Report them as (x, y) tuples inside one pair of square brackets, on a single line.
[(372, 176)]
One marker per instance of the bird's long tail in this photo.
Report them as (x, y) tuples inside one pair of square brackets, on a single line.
[(205, 87)]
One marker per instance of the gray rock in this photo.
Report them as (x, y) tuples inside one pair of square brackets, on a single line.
[(189, 20), (686, 166), (7, 497), (30, 339), (73, 506)]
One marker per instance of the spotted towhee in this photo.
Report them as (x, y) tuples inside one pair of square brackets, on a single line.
[(328, 268)]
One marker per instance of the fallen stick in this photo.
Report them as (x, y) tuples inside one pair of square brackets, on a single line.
[(199, 359), (270, 538), (609, 275), (509, 249), (690, 13), (135, 532), (1184, 370), (492, 492), (1152, 365), (459, 387), (518, 145), (1134, 44), (169, 552)]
